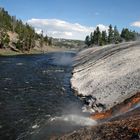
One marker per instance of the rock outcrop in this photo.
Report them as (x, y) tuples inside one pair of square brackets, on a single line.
[(110, 74)]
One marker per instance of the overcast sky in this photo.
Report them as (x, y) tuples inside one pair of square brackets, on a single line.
[(74, 19)]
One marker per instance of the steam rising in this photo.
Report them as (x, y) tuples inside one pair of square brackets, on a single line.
[(63, 59), (77, 120)]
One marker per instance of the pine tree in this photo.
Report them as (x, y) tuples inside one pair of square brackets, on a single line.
[(41, 40), (95, 37), (50, 41), (92, 38), (117, 38), (13, 23), (46, 39), (98, 34), (128, 35), (110, 34), (87, 40), (104, 38)]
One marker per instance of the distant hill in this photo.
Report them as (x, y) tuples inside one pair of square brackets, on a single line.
[(68, 43), (21, 37)]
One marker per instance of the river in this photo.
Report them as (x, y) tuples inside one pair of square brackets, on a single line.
[(36, 100)]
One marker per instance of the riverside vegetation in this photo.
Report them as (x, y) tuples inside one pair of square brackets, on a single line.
[(113, 36)]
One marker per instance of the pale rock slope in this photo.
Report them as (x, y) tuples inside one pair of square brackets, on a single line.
[(110, 73)]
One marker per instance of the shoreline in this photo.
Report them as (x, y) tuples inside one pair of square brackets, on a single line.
[(9, 52)]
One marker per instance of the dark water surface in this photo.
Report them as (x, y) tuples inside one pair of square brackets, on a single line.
[(36, 100)]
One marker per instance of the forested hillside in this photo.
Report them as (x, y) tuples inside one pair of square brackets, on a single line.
[(16, 35)]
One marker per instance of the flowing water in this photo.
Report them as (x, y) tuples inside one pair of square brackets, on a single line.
[(36, 100)]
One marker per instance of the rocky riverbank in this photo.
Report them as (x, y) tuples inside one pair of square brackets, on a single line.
[(107, 79)]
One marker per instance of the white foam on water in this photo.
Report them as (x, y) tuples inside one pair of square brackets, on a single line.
[(35, 126), (76, 119), (19, 64)]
